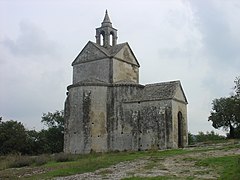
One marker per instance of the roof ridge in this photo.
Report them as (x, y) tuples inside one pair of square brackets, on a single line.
[(100, 48), (162, 83)]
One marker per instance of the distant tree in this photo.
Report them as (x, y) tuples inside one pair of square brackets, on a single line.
[(35, 143), (12, 137), (237, 86), (209, 136), (226, 114), (191, 139), (55, 119), (53, 137), (204, 137)]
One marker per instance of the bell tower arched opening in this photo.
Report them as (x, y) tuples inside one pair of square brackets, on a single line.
[(102, 38), (111, 39)]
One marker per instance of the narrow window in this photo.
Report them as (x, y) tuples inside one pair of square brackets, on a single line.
[(111, 39), (102, 38)]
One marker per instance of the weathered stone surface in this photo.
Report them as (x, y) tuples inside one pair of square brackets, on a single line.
[(107, 110)]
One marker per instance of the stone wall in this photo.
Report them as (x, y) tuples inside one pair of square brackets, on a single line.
[(179, 107), (94, 70), (123, 71), (85, 127), (104, 118)]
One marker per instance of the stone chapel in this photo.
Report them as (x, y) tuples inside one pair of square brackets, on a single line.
[(106, 108)]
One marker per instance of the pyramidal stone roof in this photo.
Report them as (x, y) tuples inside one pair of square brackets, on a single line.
[(106, 20), (91, 52), (111, 51)]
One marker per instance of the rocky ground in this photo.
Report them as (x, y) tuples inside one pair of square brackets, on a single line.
[(181, 166)]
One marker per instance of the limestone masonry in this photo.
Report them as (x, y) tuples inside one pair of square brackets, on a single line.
[(108, 110)]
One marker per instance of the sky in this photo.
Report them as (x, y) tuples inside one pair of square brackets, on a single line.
[(194, 41)]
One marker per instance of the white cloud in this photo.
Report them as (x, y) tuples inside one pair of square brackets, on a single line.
[(194, 41), (31, 41)]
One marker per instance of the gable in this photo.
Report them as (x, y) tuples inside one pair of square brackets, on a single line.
[(89, 53), (126, 54), (171, 90), (179, 94)]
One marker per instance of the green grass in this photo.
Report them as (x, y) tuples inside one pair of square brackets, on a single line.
[(228, 167), (49, 166), (82, 163)]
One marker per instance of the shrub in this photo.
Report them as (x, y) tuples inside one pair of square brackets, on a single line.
[(21, 161), (41, 160), (209, 136), (62, 157)]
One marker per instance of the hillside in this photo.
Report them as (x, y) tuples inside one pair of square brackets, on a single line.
[(214, 161)]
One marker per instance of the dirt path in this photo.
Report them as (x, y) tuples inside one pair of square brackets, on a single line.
[(181, 166)]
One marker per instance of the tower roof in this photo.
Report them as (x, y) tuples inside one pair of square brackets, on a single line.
[(106, 20)]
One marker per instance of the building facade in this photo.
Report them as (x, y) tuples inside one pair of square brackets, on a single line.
[(108, 110)]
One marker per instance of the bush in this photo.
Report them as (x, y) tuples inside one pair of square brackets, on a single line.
[(20, 161), (62, 157), (191, 139), (203, 138), (209, 136), (41, 160)]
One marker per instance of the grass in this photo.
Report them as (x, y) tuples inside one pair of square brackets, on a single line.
[(228, 166), (49, 166), (53, 167)]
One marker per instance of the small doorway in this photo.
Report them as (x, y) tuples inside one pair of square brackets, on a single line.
[(180, 131)]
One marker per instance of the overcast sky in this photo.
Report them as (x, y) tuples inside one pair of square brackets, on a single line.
[(195, 41)]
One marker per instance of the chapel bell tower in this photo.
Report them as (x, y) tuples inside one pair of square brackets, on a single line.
[(106, 35)]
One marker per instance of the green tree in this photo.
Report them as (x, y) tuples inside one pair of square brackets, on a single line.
[(13, 137), (209, 136), (55, 119), (35, 143), (226, 114), (237, 86), (53, 137)]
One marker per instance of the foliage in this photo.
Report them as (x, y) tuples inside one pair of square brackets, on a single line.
[(237, 86), (191, 139), (41, 160), (62, 157), (53, 137), (48, 140), (209, 137), (55, 119), (226, 114), (21, 161), (12, 137)]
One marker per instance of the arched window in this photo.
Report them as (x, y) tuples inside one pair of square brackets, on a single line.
[(102, 37), (111, 39), (180, 130)]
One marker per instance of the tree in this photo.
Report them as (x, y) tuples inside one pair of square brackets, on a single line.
[(12, 137), (53, 137), (226, 114), (55, 119), (237, 86)]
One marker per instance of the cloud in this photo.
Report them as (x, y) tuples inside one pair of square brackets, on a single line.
[(191, 40), (32, 74), (220, 43), (31, 41)]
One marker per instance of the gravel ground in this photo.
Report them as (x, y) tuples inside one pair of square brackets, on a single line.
[(181, 166)]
